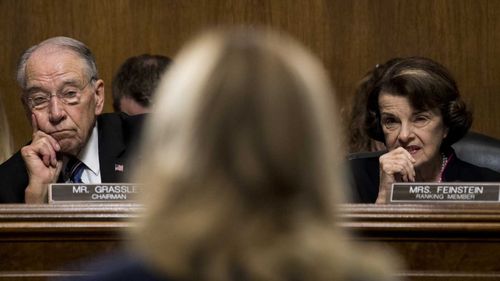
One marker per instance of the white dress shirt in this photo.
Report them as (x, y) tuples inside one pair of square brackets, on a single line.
[(90, 157)]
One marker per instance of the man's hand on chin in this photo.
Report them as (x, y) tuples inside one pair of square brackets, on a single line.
[(43, 163)]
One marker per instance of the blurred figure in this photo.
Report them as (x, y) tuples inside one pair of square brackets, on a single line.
[(135, 82), (415, 108), (6, 144), (358, 138), (243, 169)]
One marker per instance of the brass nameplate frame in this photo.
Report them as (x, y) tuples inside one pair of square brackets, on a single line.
[(92, 193), (449, 192)]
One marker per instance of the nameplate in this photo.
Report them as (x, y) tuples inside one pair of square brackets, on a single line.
[(452, 192), (88, 193)]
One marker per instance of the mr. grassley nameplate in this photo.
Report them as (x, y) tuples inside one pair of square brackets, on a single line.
[(451, 192), (98, 193)]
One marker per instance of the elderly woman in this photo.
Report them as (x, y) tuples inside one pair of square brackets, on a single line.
[(416, 110)]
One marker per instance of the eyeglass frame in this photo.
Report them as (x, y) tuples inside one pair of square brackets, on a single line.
[(60, 96)]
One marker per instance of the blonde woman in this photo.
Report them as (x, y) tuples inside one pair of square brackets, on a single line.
[(5, 136), (243, 171)]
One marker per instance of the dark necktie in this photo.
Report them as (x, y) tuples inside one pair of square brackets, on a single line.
[(74, 170)]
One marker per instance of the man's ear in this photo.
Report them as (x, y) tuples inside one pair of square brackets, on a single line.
[(99, 96)]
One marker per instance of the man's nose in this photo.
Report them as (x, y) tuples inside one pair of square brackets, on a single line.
[(56, 109)]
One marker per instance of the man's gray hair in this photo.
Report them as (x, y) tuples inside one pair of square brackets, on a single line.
[(59, 42)]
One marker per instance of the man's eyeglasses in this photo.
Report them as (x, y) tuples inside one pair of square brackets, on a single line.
[(69, 95)]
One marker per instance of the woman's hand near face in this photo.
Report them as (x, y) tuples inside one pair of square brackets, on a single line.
[(395, 166)]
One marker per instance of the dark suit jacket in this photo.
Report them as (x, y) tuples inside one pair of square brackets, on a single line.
[(121, 265), (118, 135), (134, 268), (365, 175)]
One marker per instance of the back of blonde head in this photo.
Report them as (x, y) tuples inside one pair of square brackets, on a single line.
[(242, 165)]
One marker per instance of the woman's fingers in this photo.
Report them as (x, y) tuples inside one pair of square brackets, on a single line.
[(398, 162)]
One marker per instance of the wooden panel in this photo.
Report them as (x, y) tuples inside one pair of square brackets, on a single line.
[(436, 242), (447, 242), (349, 36), (41, 242)]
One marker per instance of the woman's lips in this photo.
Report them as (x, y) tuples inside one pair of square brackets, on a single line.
[(412, 149)]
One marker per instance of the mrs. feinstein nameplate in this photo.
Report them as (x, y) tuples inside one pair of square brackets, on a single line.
[(88, 193), (452, 192)]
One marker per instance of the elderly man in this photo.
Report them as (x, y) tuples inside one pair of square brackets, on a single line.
[(72, 141)]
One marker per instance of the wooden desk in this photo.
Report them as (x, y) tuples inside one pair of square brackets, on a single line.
[(437, 242), (42, 241)]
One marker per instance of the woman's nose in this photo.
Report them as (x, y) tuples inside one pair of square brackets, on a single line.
[(405, 133)]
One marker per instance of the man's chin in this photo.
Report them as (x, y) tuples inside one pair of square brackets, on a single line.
[(69, 147)]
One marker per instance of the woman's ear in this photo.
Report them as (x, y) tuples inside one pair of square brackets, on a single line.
[(446, 131)]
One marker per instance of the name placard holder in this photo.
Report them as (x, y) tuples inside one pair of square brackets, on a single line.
[(92, 193), (449, 192)]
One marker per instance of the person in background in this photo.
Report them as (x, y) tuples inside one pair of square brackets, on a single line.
[(414, 108), (358, 138), (243, 170), (72, 141), (135, 82), (6, 146)]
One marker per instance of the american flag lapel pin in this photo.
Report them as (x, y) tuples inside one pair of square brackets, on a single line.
[(119, 167)]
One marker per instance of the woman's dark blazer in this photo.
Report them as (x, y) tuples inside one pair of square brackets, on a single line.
[(365, 174)]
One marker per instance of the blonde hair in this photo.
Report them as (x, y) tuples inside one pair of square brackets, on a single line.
[(6, 143), (243, 167)]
